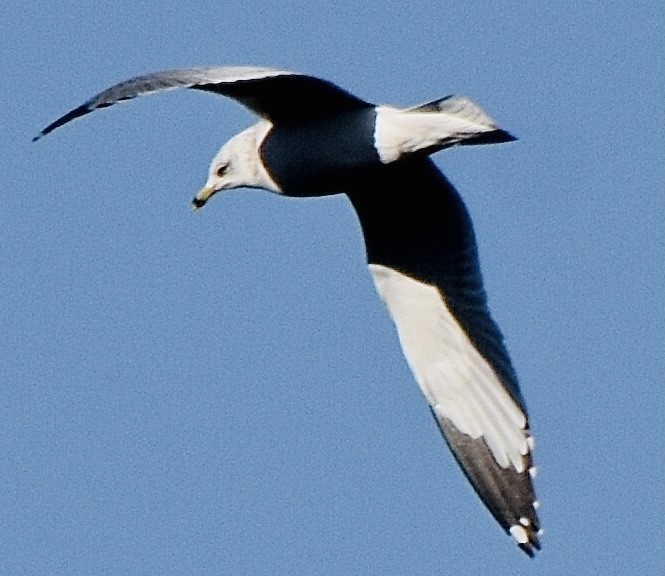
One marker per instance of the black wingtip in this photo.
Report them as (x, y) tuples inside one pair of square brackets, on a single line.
[(497, 136), (529, 549), (507, 493), (76, 113), (505, 136), (532, 546), (527, 532)]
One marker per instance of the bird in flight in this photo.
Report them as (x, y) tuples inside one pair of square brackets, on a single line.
[(313, 139)]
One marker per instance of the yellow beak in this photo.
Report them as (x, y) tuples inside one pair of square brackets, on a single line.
[(202, 197)]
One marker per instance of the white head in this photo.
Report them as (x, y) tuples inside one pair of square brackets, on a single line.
[(237, 165)]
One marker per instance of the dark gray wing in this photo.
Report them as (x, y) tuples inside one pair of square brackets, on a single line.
[(423, 257), (278, 95)]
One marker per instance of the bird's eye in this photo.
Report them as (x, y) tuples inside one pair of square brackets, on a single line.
[(222, 170)]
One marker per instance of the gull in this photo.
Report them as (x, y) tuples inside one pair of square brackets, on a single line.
[(313, 138)]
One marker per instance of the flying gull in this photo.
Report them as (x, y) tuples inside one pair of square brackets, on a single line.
[(315, 139)]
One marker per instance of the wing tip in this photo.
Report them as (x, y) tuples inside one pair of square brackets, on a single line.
[(530, 549), (71, 115), (497, 136), (526, 537), (506, 492)]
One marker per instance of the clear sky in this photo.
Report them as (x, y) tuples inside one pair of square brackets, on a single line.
[(224, 393)]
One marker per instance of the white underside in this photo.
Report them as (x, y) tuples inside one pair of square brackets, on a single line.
[(457, 381), (400, 132)]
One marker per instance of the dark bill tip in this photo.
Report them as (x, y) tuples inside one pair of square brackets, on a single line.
[(198, 203)]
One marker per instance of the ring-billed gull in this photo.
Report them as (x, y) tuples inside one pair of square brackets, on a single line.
[(314, 139)]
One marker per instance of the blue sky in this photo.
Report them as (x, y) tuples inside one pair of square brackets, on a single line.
[(223, 393)]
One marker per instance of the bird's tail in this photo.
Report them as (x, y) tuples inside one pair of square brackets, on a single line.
[(461, 108)]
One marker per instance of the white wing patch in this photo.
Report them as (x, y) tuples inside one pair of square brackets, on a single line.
[(457, 381)]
